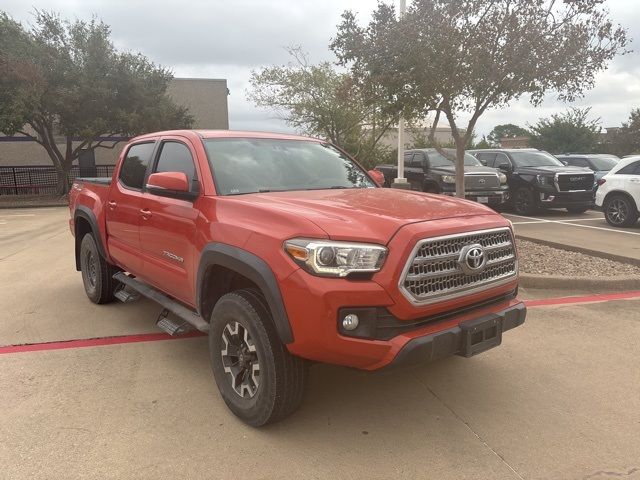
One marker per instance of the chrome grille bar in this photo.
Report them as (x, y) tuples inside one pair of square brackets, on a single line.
[(433, 273)]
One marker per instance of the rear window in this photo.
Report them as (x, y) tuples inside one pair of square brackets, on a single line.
[(134, 165)]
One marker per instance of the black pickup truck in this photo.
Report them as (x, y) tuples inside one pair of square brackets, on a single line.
[(427, 170), (539, 180)]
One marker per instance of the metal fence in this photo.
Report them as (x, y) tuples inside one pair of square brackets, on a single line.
[(43, 180)]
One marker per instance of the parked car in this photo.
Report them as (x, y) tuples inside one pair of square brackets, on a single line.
[(284, 250), (619, 193), (426, 170), (599, 163), (539, 180)]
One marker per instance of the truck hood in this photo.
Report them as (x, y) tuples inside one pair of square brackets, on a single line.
[(468, 169), (369, 214), (552, 169)]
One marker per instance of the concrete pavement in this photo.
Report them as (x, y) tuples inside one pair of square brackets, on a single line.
[(559, 399), (587, 231)]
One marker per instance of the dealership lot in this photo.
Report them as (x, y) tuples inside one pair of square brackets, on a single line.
[(560, 399), (588, 231)]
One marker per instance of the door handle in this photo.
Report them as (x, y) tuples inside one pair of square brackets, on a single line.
[(146, 213), (112, 204)]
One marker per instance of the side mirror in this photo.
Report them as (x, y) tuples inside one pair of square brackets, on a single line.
[(170, 184), (564, 162), (377, 177), (483, 162), (504, 167)]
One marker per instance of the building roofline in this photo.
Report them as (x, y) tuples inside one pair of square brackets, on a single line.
[(222, 80)]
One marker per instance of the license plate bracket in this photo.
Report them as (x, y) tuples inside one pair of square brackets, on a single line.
[(480, 335)]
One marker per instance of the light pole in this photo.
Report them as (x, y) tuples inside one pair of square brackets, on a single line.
[(400, 181)]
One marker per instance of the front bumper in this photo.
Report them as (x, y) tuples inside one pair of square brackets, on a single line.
[(556, 199), (487, 197), (459, 340)]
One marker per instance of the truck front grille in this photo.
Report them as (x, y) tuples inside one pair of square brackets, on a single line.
[(481, 181), (574, 181), (434, 271)]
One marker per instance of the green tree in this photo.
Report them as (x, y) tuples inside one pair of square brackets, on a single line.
[(64, 85), (567, 132), (462, 57), (507, 130), (317, 100), (626, 140), (484, 143)]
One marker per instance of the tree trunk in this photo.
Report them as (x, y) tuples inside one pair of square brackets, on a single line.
[(62, 183), (460, 149)]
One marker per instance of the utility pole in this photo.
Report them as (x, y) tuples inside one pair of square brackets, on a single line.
[(400, 181)]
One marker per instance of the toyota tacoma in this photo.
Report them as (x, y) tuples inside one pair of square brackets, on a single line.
[(286, 252)]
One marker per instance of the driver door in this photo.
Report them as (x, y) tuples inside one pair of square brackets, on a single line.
[(168, 225)]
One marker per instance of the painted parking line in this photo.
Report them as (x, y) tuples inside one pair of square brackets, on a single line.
[(155, 337), (96, 342)]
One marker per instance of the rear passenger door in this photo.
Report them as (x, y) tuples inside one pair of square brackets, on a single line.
[(168, 225)]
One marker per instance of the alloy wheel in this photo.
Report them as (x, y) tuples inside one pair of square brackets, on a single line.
[(618, 211), (240, 359)]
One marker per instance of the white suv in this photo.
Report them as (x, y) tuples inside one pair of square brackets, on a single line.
[(619, 193)]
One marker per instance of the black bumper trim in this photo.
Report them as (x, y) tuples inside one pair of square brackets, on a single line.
[(450, 342)]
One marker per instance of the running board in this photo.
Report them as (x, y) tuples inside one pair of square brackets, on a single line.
[(157, 296)]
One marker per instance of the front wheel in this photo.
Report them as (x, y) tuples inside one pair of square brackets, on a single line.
[(259, 380), (524, 202), (620, 211)]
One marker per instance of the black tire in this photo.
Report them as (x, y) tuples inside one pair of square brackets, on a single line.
[(577, 210), (524, 202), (97, 274), (241, 336), (620, 211)]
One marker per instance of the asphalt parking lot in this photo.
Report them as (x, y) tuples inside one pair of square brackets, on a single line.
[(560, 399), (588, 231)]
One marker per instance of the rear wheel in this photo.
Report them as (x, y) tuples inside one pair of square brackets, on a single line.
[(97, 274), (620, 211), (259, 380), (524, 202), (577, 210)]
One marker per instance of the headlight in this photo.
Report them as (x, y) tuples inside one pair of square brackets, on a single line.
[(544, 180), (503, 178), (448, 179), (335, 259)]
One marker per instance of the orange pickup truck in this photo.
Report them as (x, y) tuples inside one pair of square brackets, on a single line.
[(286, 251)]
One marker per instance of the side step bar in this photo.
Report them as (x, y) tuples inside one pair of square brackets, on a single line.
[(157, 296)]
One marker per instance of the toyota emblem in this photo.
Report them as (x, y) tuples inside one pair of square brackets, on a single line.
[(472, 259)]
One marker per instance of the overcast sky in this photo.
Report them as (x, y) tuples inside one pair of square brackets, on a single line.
[(229, 38)]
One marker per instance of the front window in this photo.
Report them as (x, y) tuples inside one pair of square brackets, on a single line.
[(252, 165), (438, 160), (535, 159)]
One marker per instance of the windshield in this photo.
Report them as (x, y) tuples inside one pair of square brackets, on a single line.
[(437, 160), (251, 165), (535, 159), (604, 163)]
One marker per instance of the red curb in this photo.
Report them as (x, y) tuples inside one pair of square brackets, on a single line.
[(604, 297)]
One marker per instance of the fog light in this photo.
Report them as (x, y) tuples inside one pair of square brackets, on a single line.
[(350, 322)]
